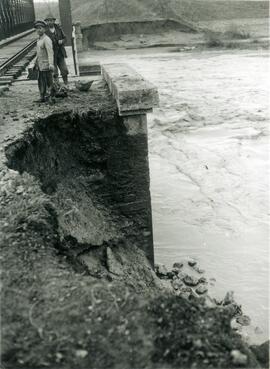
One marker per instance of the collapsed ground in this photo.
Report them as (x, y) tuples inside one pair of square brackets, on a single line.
[(107, 309)]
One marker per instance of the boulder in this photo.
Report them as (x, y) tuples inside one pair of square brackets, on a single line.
[(113, 265), (192, 263), (198, 270), (182, 275), (229, 298), (83, 86), (202, 280), (177, 284), (170, 275), (201, 289), (81, 354), (191, 281), (243, 320), (238, 358), (175, 271), (262, 353), (178, 265), (161, 270)]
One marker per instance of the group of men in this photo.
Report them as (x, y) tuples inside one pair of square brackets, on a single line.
[(51, 55)]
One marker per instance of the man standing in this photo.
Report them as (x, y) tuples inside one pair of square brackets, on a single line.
[(44, 62), (56, 34)]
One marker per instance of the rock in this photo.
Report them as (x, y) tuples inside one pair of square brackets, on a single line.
[(262, 353), (186, 289), (170, 275), (83, 85), (243, 320), (229, 298), (178, 265), (81, 354), (258, 330), (191, 281), (198, 270), (114, 266), (233, 309), (201, 289), (234, 325), (177, 284), (185, 295), (20, 189), (192, 263), (161, 270), (238, 358), (182, 275), (176, 271), (202, 280), (198, 343), (59, 357), (209, 302), (192, 295)]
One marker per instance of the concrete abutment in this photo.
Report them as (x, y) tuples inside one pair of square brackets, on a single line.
[(134, 97)]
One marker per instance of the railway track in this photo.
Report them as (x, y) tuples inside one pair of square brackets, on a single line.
[(14, 58)]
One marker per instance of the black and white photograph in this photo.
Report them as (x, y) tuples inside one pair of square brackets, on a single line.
[(134, 184)]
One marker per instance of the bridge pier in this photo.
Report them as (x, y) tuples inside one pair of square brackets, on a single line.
[(128, 164)]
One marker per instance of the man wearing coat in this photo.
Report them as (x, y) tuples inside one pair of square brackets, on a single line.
[(56, 34)]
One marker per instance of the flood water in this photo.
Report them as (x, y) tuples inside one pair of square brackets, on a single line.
[(209, 161)]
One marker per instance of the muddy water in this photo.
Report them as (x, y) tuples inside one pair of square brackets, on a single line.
[(209, 160)]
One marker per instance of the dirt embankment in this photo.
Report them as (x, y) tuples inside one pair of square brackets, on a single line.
[(77, 291), (99, 11), (235, 34)]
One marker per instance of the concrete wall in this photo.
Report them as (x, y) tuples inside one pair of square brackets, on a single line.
[(129, 179), (128, 163)]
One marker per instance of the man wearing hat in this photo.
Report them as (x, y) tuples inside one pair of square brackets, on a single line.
[(44, 61), (56, 34)]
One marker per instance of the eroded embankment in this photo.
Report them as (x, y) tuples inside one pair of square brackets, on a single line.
[(71, 155), (77, 290), (111, 31)]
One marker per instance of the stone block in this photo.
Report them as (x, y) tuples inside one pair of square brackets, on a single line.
[(133, 94)]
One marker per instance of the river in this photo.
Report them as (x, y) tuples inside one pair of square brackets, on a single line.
[(209, 162)]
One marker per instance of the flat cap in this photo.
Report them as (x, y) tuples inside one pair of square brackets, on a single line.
[(50, 16), (40, 23)]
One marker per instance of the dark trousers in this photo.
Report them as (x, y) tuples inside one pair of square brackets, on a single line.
[(60, 62), (45, 82)]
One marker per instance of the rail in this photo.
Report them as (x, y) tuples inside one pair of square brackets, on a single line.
[(19, 55)]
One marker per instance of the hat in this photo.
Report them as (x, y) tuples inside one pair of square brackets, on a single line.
[(40, 23), (50, 16)]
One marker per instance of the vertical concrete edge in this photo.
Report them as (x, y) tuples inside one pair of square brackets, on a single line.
[(135, 97)]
